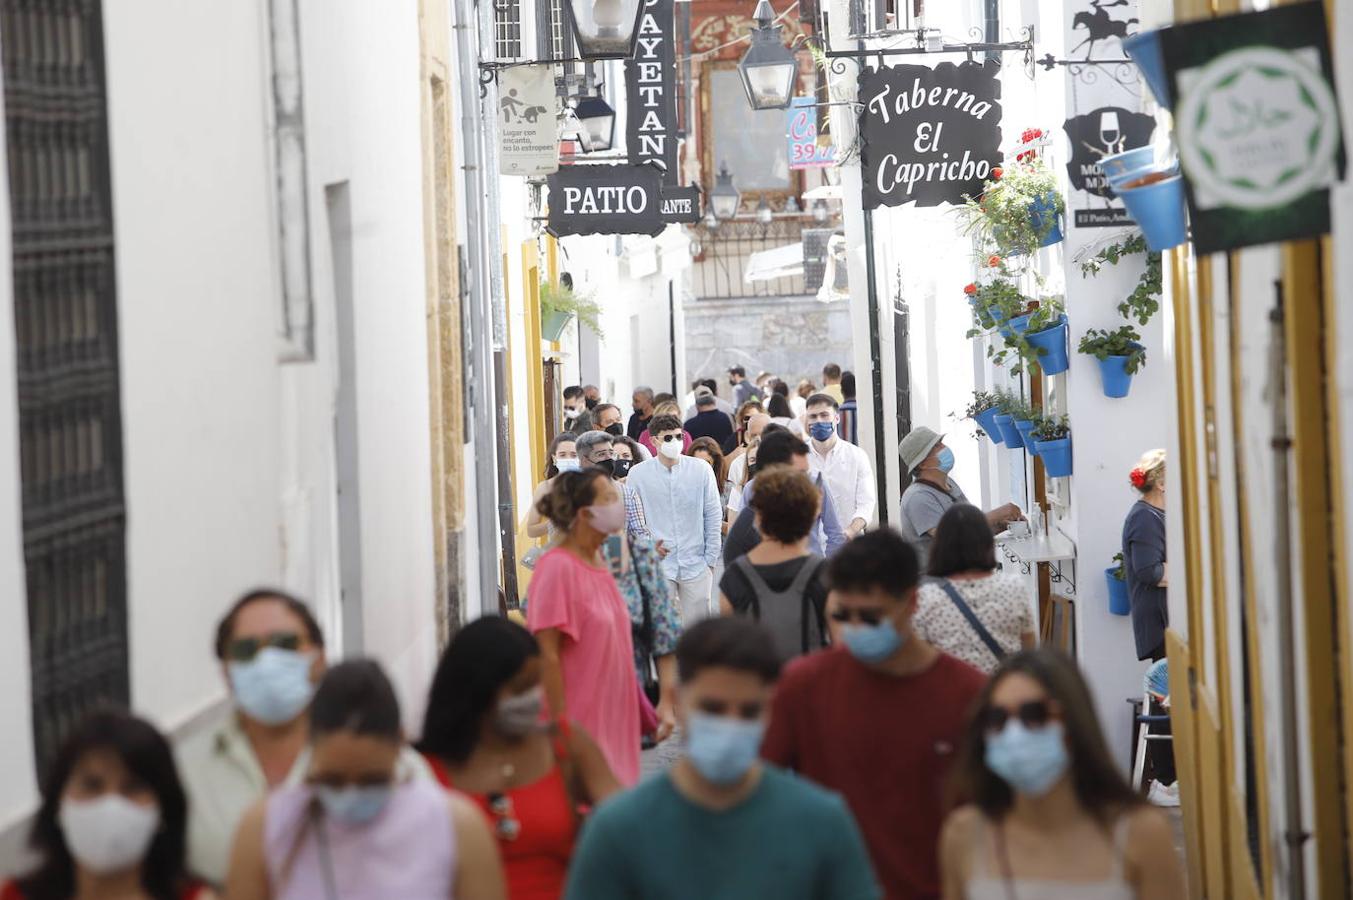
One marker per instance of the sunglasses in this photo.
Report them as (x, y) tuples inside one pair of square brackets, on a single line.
[(865, 616), (671, 437), (1032, 714), (245, 649)]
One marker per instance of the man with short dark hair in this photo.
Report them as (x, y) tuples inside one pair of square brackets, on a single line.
[(591, 396), (844, 468), (778, 447), (596, 450), (680, 496), (643, 400), (609, 419), (880, 715), (708, 421), (577, 419), (743, 390), (850, 410), (721, 825), (831, 382)]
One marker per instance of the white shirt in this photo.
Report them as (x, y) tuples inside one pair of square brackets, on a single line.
[(683, 511), (737, 478), (849, 477)]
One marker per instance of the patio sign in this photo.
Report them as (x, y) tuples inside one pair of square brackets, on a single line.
[(1257, 123), (929, 135), (624, 199), (801, 131), (528, 136), (650, 88)]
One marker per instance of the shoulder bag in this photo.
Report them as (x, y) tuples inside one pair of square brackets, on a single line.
[(948, 587)]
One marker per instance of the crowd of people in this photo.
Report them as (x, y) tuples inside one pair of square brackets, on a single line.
[(862, 712)]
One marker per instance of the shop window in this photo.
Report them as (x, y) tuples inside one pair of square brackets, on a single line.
[(65, 315), (507, 34)]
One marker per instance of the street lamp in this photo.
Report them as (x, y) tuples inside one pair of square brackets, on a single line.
[(769, 70), (724, 199), (605, 29), (763, 212), (596, 124)]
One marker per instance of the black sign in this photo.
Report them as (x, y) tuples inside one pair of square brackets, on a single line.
[(681, 205), (605, 200), (929, 135), (1095, 135), (650, 88)]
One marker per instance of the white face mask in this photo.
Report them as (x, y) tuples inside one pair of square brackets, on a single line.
[(670, 449), (109, 833)]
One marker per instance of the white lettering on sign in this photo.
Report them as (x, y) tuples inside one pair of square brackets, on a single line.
[(892, 173), (649, 76), (918, 98), (676, 206), (605, 200)]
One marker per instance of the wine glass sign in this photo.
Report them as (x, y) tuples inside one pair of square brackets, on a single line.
[(1096, 134)]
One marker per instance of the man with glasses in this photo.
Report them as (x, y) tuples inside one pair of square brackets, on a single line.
[(596, 450), (271, 652), (879, 717), (680, 497)]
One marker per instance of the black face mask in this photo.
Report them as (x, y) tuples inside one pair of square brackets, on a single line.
[(751, 469), (606, 465), (614, 428), (592, 404), (620, 468)]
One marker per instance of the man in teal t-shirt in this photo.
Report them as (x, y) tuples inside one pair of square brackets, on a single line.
[(721, 825)]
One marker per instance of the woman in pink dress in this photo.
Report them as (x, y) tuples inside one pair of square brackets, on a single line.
[(581, 623)]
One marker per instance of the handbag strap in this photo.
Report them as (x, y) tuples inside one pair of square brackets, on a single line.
[(996, 649)]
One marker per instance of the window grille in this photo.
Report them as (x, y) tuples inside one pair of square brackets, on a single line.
[(65, 314), (507, 38)]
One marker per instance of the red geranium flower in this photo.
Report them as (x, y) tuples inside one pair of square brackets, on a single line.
[(996, 173), (994, 262), (970, 289)]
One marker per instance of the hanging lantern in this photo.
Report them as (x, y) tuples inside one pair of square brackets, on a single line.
[(605, 29), (711, 221), (596, 124), (724, 199), (769, 70)]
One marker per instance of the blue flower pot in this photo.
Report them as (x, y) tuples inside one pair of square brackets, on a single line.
[(1144, 50), (1119, 604), (1053, 359), (1159, 210), (982, 317), (1026, 430), (1040, 211), (1120, 164), (1114, 375), (1015, 326), (1056, 456), (987, 420), (1009, 432)]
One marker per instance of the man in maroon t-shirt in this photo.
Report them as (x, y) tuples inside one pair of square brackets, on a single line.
[(879, 716)]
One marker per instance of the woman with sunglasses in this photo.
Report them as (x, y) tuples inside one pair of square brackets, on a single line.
[(582, 623), (360, 826), (485, 734), (1050, 816), (112, 821)]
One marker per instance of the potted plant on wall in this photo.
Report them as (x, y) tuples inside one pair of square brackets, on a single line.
[(1052, 439), (559, 303), (1020, 208), (1120, 356), (1011, 407), (998, 303), (983, 410), (1047, 337), (1119, 602), (1027, 427)]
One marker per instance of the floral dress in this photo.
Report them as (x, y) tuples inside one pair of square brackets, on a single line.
[(643, 577)]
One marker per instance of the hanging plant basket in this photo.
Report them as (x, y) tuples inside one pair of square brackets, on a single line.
[(1009, 432), (1056, 456), (1144, 50), (1026, 430), (1119, 602), (1051, 344), (987, 421), (553, 324), (1156, 203), (1046, 219)]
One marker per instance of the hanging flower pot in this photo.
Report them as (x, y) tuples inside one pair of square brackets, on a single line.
[(1144, 50), (1113, 372), (1119, 602), (987, 421), (1053, 358), (1043, 215), (1009, 432), (1026, 430), (553, 323), (1015, 326), (1118, 165), (1156, 203), (982, 316), (1056, 456)]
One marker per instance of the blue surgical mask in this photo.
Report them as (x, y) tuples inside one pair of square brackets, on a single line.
[(567, 464), (945, 460), (274, 687), (722, 749), (821, 431), (1030, 760), (354, 805), (872, 643)]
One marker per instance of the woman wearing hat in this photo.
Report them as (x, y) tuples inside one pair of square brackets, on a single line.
[(931, 492)]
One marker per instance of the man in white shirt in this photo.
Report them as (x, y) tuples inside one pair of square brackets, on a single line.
[(680, 497), (845, 467)]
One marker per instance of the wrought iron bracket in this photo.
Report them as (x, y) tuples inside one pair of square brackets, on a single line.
[(969, 48), (1123, 70)]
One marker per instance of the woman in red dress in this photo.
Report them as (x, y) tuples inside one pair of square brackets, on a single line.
[(112, 819), (484, 734)]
